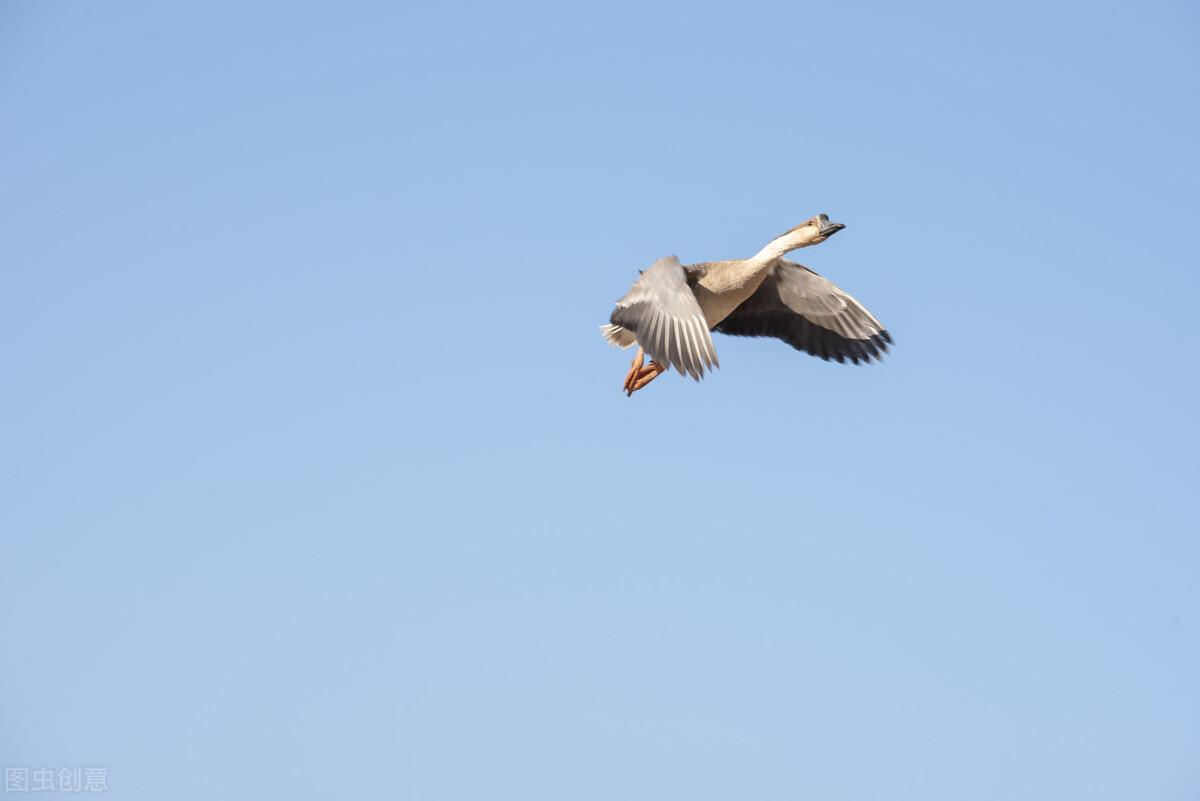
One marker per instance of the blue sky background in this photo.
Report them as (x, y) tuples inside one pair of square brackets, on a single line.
[(317, 480)]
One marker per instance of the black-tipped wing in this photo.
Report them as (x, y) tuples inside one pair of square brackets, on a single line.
[(811, 314), (663, 314)]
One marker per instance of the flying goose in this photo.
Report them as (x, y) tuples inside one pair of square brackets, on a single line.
[(670, 309)]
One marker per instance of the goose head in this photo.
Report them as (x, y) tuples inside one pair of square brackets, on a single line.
[(814, 231), (810, 232)]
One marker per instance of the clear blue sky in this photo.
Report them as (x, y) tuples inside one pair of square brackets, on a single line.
[(317, 480)]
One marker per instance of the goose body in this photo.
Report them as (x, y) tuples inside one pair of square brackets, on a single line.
[(671, 309)]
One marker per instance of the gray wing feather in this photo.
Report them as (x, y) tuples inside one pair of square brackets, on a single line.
[(823, 302), (663, 314), (810, 313)]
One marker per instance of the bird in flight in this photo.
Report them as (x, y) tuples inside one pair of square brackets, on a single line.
[(670, 310)]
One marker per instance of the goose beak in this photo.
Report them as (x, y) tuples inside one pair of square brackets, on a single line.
[(828, 228)]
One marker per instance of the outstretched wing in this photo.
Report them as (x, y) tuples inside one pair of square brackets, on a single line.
[(663, 314), (810, 313)]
